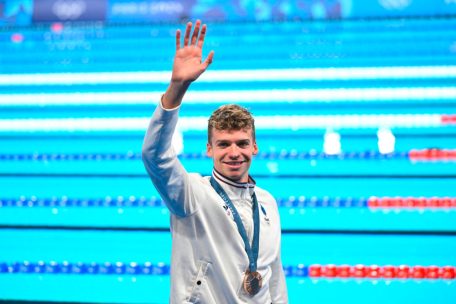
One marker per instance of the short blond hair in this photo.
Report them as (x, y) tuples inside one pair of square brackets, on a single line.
[(230, 117)]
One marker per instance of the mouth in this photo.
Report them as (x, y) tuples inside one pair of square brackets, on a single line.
[(234, 164)]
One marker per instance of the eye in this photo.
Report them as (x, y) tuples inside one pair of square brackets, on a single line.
[(243, 144), (222, 144)]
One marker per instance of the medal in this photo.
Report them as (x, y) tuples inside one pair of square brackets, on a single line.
[(252, 282), (252, 279)]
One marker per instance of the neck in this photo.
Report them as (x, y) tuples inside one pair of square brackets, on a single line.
[(244, 180)]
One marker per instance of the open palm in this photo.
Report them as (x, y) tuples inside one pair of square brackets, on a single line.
[(188, 64)]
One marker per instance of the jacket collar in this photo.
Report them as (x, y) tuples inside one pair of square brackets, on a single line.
[(234, 187)]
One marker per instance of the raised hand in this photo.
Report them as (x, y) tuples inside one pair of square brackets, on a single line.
[(188, 64)]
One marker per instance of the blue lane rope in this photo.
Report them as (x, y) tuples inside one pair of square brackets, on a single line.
[(143, 202), (283, 155), (106, 268)]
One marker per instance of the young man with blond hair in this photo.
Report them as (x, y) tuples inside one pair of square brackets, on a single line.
[(225, 230)]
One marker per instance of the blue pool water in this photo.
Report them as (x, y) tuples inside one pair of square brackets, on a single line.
[(73, 188)]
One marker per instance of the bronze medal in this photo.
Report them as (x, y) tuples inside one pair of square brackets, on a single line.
[(252, 282)]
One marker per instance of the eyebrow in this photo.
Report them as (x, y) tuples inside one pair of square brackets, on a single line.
[(229, 141)]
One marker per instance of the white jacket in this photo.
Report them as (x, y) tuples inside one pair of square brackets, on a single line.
[(208, 257)]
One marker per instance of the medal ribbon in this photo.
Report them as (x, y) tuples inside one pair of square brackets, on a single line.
[(252, 251)]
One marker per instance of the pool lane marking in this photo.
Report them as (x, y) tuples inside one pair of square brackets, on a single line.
[(217, 76), (199, 123), (406, 95)]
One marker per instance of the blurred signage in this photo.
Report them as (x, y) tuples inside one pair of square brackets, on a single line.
[(175, 11), (402, 8), (147, 11), (23, 12), (272, 10), (69, 10)]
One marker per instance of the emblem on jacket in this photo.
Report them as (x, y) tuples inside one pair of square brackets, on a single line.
[(266, 218), (227, 210)]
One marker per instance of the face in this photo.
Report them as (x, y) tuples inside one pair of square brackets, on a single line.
[(232, 153)]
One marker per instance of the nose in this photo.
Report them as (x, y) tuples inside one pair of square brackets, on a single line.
[(233, 152)]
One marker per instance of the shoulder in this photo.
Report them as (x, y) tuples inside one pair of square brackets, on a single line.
[(265, 196), (268, 205), (199, 181), (198, 177)]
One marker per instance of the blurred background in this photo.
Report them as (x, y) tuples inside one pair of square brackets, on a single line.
[(356, 122)]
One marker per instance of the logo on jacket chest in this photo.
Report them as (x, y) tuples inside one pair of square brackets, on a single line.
[(227, 210), (265, 216)]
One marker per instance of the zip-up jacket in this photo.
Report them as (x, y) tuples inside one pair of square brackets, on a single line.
[(208, 260)]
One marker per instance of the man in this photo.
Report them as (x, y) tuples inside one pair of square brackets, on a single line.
[(225, 230)]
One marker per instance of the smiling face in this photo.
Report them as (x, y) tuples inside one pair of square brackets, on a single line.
[(232, 151), (231, 141)]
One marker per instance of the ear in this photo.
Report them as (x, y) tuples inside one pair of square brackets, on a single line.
[(209, 150), (255, 148)]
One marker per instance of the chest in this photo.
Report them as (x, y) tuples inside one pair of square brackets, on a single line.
[(222, 214)]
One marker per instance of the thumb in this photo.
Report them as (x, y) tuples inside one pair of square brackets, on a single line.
[(208, 60)]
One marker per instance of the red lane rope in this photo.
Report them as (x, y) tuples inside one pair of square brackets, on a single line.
[(411, 202), (385, 272), (432, 154), (448, 119)]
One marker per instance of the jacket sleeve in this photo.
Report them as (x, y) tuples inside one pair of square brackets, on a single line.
[(277, 285), (164, 168)]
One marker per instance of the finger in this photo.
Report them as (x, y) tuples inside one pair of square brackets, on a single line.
[(178, 38), (187, 33), (201, 37), (208, 60), (196, 32)]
